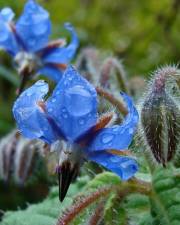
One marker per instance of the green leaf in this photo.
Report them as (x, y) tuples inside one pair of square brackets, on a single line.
[(114, 211), (137, 208), (46, 212), (165, 199), (103, 179)]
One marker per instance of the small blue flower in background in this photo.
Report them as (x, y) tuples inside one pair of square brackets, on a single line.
[(69, 120), (27, 42)]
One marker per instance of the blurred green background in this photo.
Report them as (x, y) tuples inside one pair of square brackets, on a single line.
[(144, 34)]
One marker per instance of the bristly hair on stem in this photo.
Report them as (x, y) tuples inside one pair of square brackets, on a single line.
[(112, 65), (132, 186), (112, 99), (97, 216), (81, 204)]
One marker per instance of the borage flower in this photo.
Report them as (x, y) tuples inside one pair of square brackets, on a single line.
[(27, 42), (69, 119)]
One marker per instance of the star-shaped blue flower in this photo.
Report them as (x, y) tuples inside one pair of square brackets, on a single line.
[(27, 42), (70, 116)]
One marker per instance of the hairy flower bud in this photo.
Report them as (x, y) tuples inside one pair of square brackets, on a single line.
[(18, 157), (160, 117)]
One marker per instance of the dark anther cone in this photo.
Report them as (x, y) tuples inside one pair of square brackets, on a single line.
[(66, 175)]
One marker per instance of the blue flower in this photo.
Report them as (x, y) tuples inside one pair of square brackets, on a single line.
[(69, 120), (27, 42)]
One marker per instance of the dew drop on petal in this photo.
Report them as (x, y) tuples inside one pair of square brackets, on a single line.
[(131, 130), (136, 118), (64, 110), (54, 100), (125, 164), (45, 129), (29, 93), (40, 29), (69, 78), (79, 101), (115, 128), (65, 115), (50, 110), (32, 41), (81, 122), (114, 159), (39, 83), (122, 130), (105, 163), (106, 138)]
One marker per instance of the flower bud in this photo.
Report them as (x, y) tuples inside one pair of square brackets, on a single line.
[(160, 117), (18, 158)]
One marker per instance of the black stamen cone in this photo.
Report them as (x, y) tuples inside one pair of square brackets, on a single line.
[(66, 175)]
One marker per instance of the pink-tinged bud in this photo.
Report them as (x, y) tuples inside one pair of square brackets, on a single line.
[(160, 117)]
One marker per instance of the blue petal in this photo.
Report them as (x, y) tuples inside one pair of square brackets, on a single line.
[(7, 38), (51, 72), (64, 54), (124, 167), (34, 26), (73, 105), (31, 121), (117, 137), (7, 14)]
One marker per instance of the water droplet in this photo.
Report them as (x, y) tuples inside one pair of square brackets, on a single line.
[(89, 115), (45, 128), (135, 118), (81, 121), (79, 101), (115, 128), (131, 131), (65, 115), (65, 82), (39, 83), (104, 163), (122, 130), (29, 93), (125, 164), (64, 110), (31, 41), (42, 90), (114, 159), (40, 29), (106, 138), (54, 100), (50, 110), (70, 78)]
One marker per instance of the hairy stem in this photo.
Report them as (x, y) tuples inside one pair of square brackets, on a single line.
[(97, 215), (112, 64), (79, 206), (132, 186), (112, 99)]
